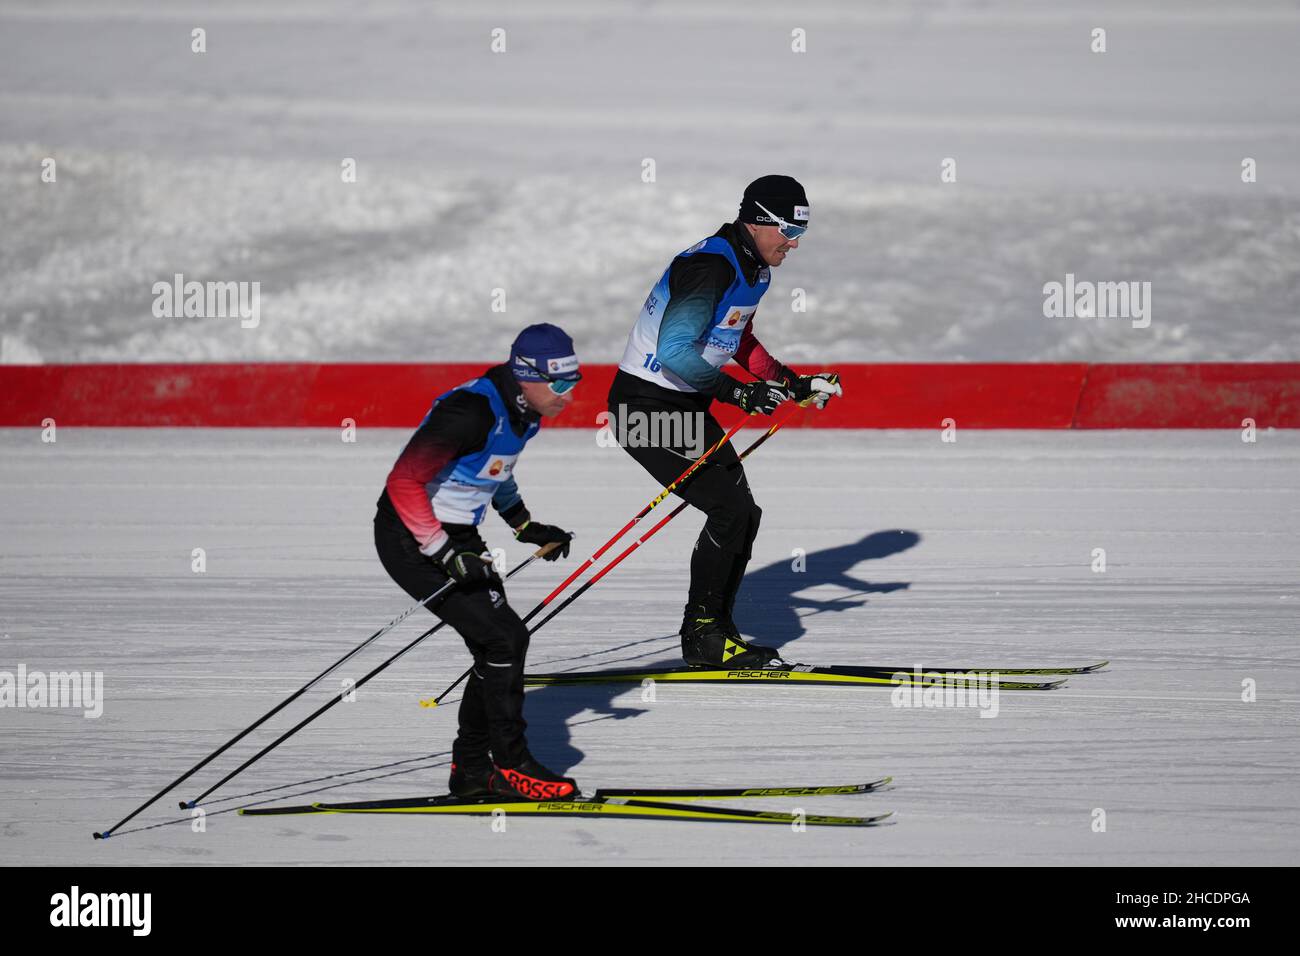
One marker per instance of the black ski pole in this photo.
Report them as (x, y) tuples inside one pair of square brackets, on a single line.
[(272, 712), (105, 834), (342, 695)]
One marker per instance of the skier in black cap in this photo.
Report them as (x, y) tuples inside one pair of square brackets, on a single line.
[(697, 318), (460, 460)]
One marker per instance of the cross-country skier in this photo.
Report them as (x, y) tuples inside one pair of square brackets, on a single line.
[(460, 459), (697, 318)]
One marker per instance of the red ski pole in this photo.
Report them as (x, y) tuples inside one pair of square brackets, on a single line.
[(651, 533), (604, 547), (641, 514), (434, 702)]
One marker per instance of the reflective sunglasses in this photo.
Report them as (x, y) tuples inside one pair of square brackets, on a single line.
[(788, 229), (557, 386)]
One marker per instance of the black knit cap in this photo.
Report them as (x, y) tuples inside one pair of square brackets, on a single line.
[(781, 194)]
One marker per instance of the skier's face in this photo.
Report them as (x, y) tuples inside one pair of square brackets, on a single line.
[(543, 401), (772, 246)]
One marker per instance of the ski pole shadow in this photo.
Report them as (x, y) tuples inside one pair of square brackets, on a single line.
[(768, 605), (333, 781), (603, 653)]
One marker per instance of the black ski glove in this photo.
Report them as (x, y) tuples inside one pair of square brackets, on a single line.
[(462, 557), (755, 398), (530, 532), (815, 389)]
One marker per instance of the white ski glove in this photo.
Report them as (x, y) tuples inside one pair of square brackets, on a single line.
[(815, 389)]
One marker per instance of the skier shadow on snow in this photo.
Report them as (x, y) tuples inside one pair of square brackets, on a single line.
[(767, 605), (766, 611), (553, 711)]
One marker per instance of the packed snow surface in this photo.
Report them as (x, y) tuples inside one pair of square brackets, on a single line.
[(914, 553)]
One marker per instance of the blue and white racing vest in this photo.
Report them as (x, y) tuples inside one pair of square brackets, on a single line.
[(462, 490), (717, 343)]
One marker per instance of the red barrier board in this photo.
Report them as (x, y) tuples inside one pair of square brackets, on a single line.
[(1210, 395), (1004, 395)]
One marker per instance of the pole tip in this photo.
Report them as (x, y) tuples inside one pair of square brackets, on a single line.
[(101, 836), (187, 805)]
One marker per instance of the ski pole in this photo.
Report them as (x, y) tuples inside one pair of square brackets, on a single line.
[(604, 547), (105, 834), (274, 710), (673, 514), (639, 515), (540, 552), (649, 534)]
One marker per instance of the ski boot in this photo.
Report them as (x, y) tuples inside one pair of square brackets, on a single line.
[(715, 642), (470, 779), (529, 780)]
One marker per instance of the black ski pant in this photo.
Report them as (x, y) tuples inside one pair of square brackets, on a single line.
[(492, 710), (719, 488)]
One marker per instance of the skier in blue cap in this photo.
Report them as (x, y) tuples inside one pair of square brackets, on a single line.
[(460, 460)]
